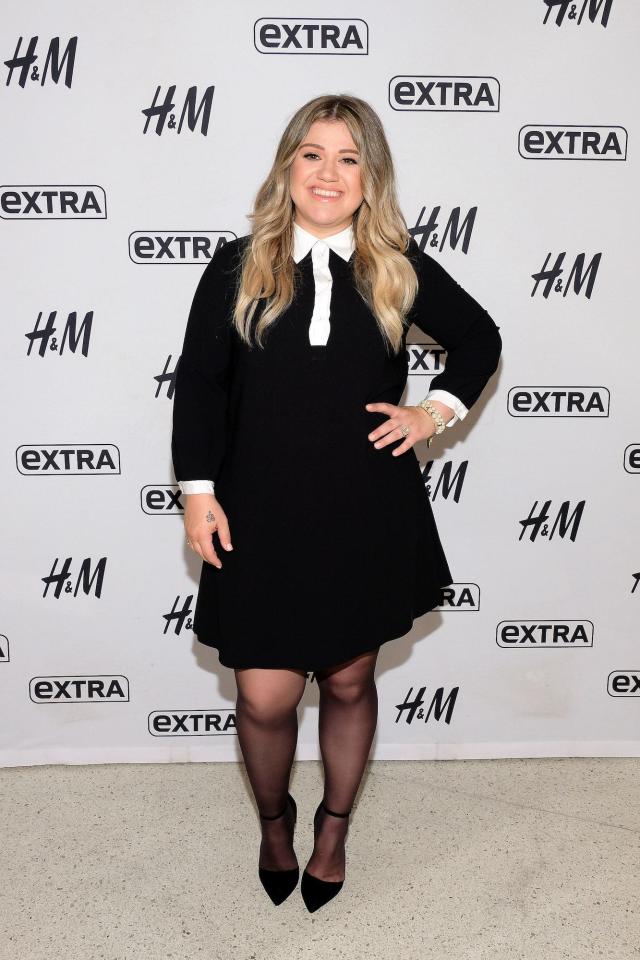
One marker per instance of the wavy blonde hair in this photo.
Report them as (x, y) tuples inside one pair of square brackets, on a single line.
[(383, 275)]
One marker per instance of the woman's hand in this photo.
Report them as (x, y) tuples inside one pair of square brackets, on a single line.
[(421, 424), (202, 515)]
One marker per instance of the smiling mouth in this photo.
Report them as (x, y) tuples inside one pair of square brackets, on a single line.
[(325, 196)]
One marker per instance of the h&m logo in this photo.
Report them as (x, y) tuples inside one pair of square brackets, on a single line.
[(300, 35), (71, 332), (538, 522), (569, 9), (578, 276), (179, 616), (428, 233), (572, 142), (445, 93), (27, 61), (84, 580), (413, 709), (163, 112), (448, 484)]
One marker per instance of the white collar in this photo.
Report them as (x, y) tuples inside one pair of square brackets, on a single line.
[(342, 243)]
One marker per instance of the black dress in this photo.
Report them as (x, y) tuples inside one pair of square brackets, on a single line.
[(335, 545)]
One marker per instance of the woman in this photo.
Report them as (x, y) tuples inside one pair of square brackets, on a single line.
[(319, 543)]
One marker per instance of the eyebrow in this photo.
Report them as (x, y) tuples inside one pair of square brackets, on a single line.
[(320, 147)]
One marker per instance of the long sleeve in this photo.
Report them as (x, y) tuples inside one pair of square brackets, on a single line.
[(200, 399), (196, 486), (448, 314)]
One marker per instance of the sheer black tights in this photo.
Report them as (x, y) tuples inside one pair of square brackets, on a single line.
[(267, 727)]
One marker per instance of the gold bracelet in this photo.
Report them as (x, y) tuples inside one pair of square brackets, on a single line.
[(437, 416)]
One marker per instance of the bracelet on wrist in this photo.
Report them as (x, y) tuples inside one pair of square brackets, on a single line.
[(437, 416)]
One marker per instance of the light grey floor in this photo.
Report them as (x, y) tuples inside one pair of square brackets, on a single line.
[(448, 859)]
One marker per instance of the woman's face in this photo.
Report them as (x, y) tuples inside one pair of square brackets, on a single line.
[(325, 179)]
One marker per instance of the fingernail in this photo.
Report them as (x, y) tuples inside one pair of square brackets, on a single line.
[(228, 546)]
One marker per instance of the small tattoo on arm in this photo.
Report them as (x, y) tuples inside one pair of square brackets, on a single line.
[(210, 517)]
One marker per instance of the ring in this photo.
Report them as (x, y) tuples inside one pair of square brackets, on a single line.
[(404, 429)]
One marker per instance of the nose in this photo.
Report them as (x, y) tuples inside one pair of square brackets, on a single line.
[(328, 170)]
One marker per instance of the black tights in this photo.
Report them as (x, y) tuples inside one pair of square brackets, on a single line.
[(267, 727)]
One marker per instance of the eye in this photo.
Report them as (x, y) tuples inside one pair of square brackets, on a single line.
[(349, 160)]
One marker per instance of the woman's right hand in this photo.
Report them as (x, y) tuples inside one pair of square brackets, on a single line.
[(202, 515)]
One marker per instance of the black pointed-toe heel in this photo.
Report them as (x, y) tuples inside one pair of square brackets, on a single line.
[(316, 892), (280, 883)]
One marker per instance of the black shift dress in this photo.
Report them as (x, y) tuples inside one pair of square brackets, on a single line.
[(335, 545)]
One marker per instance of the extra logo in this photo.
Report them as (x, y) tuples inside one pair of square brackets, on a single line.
[(624, 683), (193, 723), (304, 35), (436, 232), (52, 202), (424, 359), (547, 634), (195, 113), (631, 459), (569, 12), (176, 246), (99, 688), (572, 142), (445, 93), (161, 500), (68, 459), (460, 596), (26, 65), (556, 401)]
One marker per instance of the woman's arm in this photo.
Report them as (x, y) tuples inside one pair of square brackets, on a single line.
[(200, 391), (448, 314)]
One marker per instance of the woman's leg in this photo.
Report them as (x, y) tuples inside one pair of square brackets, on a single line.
[(267, 728), (346, 725)]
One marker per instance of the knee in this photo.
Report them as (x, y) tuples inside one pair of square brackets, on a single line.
[(266, 708), (346, 691)]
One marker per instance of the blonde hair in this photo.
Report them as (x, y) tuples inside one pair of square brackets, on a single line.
[(383, 275)]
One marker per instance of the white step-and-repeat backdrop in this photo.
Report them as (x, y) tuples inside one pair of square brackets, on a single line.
[(136, 135)]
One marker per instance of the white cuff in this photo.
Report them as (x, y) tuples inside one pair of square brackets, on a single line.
[(196, 486), (460, 411)]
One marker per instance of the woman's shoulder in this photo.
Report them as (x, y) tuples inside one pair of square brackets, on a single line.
[(227, 256), (421, 260)]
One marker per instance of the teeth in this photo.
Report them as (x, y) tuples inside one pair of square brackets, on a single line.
[(324, 193)]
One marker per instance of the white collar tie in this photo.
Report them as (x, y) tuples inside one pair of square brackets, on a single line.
[(343, 244)]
